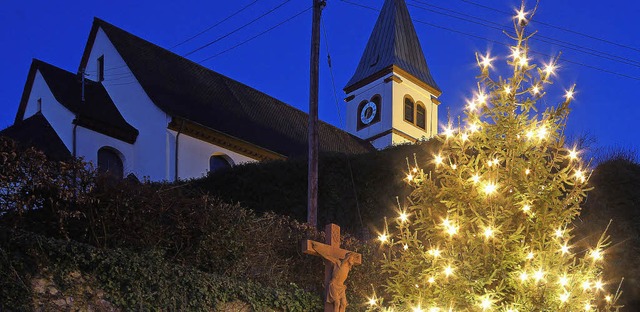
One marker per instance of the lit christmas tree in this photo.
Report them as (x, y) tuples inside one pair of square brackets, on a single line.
[(490, 229)]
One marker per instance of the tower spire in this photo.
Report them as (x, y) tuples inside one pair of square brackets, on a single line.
[(393, 45)]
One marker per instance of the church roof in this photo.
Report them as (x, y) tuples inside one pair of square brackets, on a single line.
[(185, 89), (97, 112), (36, 132), (393, 42)]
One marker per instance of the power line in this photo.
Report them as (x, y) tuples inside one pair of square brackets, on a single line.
[(500, 43), (558, 42), (215, 25), (557, 27), (237, 29), (256, 36)]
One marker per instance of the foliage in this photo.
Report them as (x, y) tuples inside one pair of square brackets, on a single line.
[(140, 281), (491, 228), (616, 197), (355, 191), (29, 181)]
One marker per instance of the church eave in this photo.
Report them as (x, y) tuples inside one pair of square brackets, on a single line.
[(388, 70), (212, 136)]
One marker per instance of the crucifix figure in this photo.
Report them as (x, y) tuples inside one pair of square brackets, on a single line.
[(338, 262)]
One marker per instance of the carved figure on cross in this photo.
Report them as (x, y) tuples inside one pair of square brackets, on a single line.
[(338, 263)]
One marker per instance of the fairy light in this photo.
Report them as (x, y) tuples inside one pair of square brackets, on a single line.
[(526, 208), (564, 297), (485, 61), (490, 188), (449, 227), (448, 132), (523, 60), (527, 171), (448, 271), (579, 175), (475, 178), (608, 298), (535, 90), (530, 255), (403, 217), (454, 166), (569, 94), (473, 127), (573, 154), (521, 15), (598, 285), (431, 280), (437, 159), (564, 249), (464, 137), (471, 105), (530, 134), (587, 306), (488, 232), (563, 281), (524, 276), (486, 303), (559, 233), (372, 301), (538, 275), (542, 132), (434, 309), (507, 89), (405, 246), (434, 252), (549, 69), (586, 285), (410, 177), (383, 237), (482, 98), (515, 53)]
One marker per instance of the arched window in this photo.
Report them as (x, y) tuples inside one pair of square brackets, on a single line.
[(218, 162), (408, 109), (420, 116), (109, 161)]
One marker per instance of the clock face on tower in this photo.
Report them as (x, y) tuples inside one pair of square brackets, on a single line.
[(368, 113)]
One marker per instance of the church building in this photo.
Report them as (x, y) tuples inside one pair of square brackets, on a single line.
[(133, 107)]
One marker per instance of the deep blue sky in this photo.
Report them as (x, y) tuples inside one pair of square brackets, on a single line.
[(277, 62)]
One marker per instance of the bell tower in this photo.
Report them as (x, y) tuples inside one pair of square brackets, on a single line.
[(392, 98)]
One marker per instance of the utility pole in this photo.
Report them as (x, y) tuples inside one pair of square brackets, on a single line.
[(312, 201)]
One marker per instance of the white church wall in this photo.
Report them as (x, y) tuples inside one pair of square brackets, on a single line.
[(56, 114), (194, 154), (150, 151), (89, 142), (419, 95)]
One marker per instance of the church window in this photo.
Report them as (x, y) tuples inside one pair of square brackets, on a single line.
[(39, 104), (109, 161), (101, 68), (420, 116), (408, 109), (219, 162)]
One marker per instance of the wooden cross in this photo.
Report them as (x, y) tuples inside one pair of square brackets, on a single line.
[(331, 248)]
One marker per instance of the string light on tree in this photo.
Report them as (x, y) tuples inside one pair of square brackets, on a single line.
[(489, 230)]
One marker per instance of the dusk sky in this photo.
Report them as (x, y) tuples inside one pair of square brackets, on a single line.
[(601, 49)]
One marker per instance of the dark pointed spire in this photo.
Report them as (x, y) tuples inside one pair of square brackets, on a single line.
[(393, 42)]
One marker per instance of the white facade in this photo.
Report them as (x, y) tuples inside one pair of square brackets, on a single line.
[(392, 128), (60, 118), (153, 155)]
